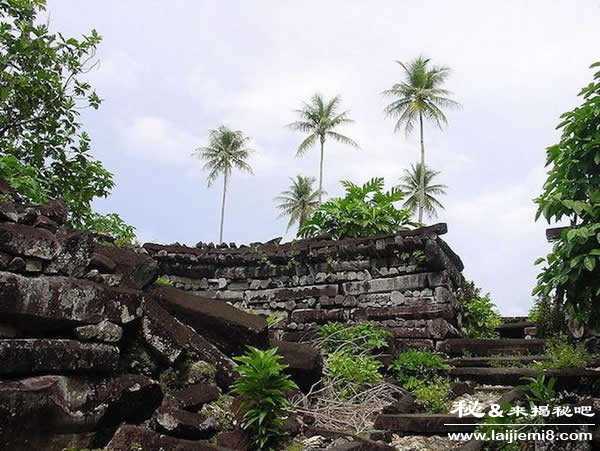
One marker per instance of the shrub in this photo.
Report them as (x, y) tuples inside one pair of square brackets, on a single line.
[(433, 394), (562, 354), (163, 282), (571, 271), (549, 317), (480, 317), (364, 211), (262, 387), (358, 339), (351, 373), (413, 364), (539, 391)]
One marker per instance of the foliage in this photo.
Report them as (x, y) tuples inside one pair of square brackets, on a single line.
[(226, 150), (320, 118), (433, 394), (548, 315), (42, 93), (561, 353), (262, 387), (163, 282), (364, 211), (23, 178), (352, 373), (480, 317), (112, 225), (424, 365), (572, 191), (273, 319), (538, 390), (420, 96), (358, 339), (298, 202), (411, 184)]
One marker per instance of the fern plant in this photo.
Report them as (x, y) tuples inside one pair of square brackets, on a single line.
[(262, 387), (364, 211)]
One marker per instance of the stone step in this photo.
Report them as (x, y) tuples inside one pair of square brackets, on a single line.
[(514, 329), (495, 361), (565, 378), (489, 347), (424, 424)]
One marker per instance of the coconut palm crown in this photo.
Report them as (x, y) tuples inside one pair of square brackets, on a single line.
[(411, 185), (226, 150), (320, 118), (418, 97), (299, 201)]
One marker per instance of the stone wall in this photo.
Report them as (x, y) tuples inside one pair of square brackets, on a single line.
[(406, 282)]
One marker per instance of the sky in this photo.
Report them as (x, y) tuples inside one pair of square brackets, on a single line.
[(171, 71)]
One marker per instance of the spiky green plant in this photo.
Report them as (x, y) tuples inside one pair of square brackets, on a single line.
[(320, 118), (419, 97), (226, 150)]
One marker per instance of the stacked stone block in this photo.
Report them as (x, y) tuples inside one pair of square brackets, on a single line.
[(406, 282)]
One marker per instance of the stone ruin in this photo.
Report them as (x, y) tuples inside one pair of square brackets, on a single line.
[(406, 282), (96, 355)]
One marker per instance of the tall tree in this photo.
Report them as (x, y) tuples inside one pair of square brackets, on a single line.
[(226, 150), (319, 118), (411, 184), (43, 89), (418, 97), (299, 201)]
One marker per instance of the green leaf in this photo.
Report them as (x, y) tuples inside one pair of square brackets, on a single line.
[(589, 263)]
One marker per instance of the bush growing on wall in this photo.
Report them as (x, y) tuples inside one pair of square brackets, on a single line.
[(571, 272), (364, 211), (480, 317)]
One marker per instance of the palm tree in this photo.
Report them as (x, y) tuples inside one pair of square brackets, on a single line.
[(319, 118), (411, 183), (226, 150), (299, 201), (420, 96)]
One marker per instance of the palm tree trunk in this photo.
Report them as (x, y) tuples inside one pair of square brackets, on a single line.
[(422, 181), (223, 207), (321, 172)]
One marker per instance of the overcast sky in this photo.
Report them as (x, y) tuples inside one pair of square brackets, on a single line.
[(170, 71)]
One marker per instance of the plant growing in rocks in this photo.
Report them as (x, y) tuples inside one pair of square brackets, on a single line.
[(262, 387), (433, 394), (423, 365), (561, 353), (571, 272), (357, 339), (480, 316), (365, 210), (350, 374)]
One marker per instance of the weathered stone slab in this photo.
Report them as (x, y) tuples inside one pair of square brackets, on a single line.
[(50, 303), (172, 420), (168, 337), (304, 362), (44, 407), (506, 346), (129, 436), (565, 378), (104, 331), (426, 311), (317, 315), (402, 344), (230, 329), (74, 255), (24, 240), (362, 445), (138, 270), (292, 293), (425, 424), (400, 283), (194, 396), (33, 356)]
